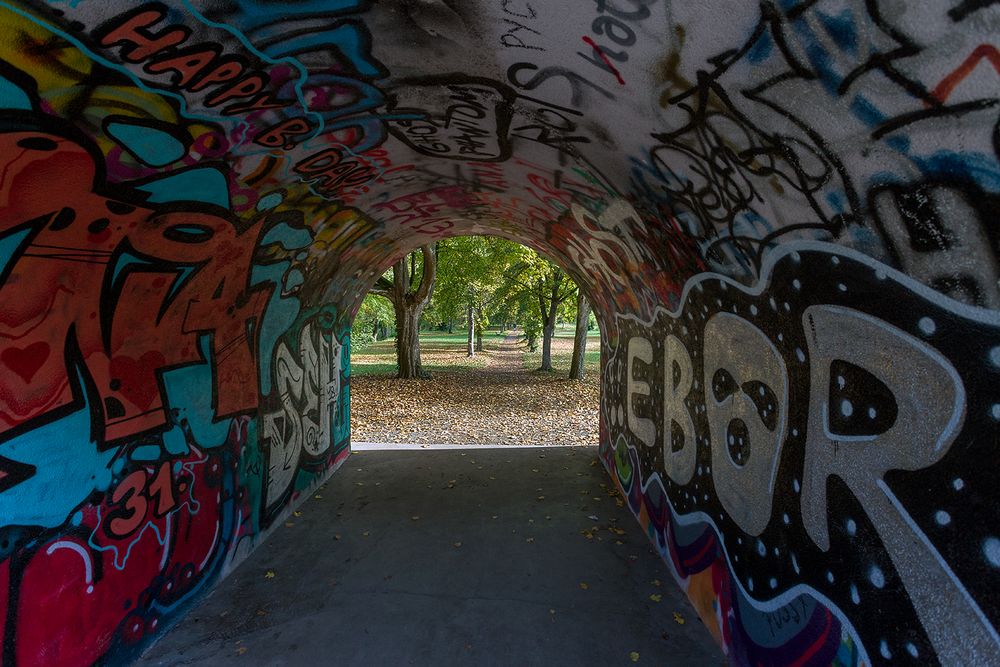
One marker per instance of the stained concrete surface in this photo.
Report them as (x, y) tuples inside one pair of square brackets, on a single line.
[(442, 556)]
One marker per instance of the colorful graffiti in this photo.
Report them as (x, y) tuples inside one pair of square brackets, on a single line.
[(140, 323), (745, 405), (782, 218)]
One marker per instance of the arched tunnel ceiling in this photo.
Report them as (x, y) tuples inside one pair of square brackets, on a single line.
[(784, 212), (391, 123)]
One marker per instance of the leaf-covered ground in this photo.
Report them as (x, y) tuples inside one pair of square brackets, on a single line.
[(494, 398)]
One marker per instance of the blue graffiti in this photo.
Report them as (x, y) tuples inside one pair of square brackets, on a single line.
[(149, 144)]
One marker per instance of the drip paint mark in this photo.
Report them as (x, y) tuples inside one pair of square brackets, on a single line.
[(614, 70)]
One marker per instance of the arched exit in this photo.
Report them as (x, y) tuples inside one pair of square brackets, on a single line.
[(508, 350)]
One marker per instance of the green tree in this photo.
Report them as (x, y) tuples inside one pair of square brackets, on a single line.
[(580, 337), (471, 271), (370, 322), (409, 291), (538, 283)]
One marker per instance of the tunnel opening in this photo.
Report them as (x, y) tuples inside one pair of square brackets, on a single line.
[(499, 334)]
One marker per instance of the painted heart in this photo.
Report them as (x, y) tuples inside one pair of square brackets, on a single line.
[(138, 377), (26, 361)]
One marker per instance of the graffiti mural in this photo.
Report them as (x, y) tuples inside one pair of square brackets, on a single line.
[(782, 213), (760, 413), (140, 319)]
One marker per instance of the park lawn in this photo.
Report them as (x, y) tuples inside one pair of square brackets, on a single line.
[(562, 351), (439, 351), (495, 398), (444, 352)]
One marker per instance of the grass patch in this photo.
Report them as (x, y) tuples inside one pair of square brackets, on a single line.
[(562, 352), (445, 352), (561, 359), (439, 352)]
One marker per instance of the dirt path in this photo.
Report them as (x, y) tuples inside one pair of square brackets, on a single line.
[(507, 358), (500, 403)]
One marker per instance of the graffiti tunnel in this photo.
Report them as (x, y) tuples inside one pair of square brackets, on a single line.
[(783, 213)]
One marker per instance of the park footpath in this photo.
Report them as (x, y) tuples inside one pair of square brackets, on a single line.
[(447, 555)]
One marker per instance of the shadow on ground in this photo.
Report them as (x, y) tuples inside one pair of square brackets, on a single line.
[(450, 556)]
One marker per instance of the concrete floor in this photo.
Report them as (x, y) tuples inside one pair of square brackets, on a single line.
[(449, 556)]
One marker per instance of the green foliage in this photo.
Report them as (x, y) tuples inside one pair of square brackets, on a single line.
[(504, 282), (374, 311), (471, 270), (529, 286)]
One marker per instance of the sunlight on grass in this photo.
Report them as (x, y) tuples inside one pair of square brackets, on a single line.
[(444, 352), (439, 352)]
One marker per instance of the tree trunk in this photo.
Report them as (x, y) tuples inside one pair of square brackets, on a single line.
[(549, 325), (479, 331), (580, 340), (471, 321), (547, 333), (408, 304), (408, 342)]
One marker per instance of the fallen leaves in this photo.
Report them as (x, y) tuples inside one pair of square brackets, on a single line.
[(269, 574), (525, 407), (678, 618), (655, 597), (584, 585), (634, 656)]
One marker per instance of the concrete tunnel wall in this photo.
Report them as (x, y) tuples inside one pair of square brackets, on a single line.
[(783, 211)]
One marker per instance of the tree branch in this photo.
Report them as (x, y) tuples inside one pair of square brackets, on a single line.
[(400, 278), (429, 273), (383, 288), (413, 272), (569, 292)]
